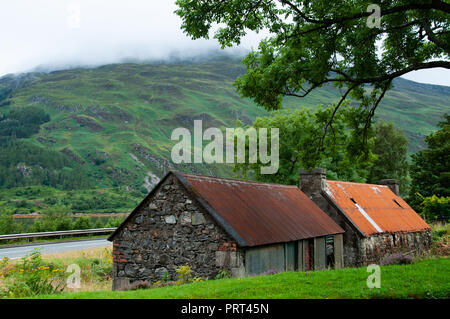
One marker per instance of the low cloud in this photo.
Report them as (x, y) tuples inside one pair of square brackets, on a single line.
[(53, 35)]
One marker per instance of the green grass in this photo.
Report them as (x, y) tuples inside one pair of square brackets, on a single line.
[(428, 278)]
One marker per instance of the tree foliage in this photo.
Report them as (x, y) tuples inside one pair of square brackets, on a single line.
[(23, 164), (321, 42), (385, 157), (299, 136), (430, 168), (391, 151), (22, 122)]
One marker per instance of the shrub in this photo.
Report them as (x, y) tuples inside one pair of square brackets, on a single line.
[(8, 225), (435, 208), (31, 276), (83, 222), (185, 275), (397, 259), (114, 222), (55, 218)]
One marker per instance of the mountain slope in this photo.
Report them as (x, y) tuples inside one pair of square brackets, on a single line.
[(116, 121)]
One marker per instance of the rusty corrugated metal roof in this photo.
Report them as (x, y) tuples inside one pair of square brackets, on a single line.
[(375, 209), (262, 213)]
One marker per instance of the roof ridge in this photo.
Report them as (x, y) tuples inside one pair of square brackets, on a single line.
[(237, 180), (357, 183)]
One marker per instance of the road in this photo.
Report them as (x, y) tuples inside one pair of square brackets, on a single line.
[(50, 248)]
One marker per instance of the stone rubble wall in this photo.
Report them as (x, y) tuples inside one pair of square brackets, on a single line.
[(169, 231), (373, 249)]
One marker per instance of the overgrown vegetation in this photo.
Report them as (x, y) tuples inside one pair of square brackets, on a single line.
[(34, 274), (441, 239), (31, 276)]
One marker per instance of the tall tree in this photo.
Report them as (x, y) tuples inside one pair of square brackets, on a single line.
[(430, 168), (349, 43), (391, 150)]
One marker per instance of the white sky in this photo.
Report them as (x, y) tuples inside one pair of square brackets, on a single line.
[(58, 34)]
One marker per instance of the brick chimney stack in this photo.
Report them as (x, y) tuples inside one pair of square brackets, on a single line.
[(314, 181), (392, 184)]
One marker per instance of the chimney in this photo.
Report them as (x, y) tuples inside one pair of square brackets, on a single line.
[(392, 184), (314, 181)]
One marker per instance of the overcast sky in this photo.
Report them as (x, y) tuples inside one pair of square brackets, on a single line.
[(57, 34)]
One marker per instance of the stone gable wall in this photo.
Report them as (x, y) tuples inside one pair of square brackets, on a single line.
[(169, 231)]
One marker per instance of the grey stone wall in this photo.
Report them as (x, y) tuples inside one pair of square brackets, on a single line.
[(170, 230), (373, 249)]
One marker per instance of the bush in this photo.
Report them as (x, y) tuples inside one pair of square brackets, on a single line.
[(83, 222), (435, 208), (114, 222), (185, 275), (8, 225), (31, 276), (441, 239), (54, 219), (397, 259)]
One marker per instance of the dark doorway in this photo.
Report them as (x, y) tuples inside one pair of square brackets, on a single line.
[(329, 245)]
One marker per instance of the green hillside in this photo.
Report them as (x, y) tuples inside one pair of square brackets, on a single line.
[(110, 126)]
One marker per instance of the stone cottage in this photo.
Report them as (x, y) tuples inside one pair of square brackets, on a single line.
[(217, 224), (376, 220)]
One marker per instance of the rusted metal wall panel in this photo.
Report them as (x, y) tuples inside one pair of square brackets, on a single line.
[(290, 255), (263, 213), (301, 256), (261, 259), (320, 253), (338, 251)]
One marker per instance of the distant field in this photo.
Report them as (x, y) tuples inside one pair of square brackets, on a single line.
[(428, 278)]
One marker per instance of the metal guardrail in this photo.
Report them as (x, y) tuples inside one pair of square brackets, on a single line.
[(59, 233)]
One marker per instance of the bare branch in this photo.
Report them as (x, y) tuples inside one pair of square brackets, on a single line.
[(343, 97)]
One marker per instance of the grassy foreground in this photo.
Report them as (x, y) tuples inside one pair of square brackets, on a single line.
[(428, 278)]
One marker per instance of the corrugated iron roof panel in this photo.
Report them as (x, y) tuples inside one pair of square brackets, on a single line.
[(375, 208), (263, 213)]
